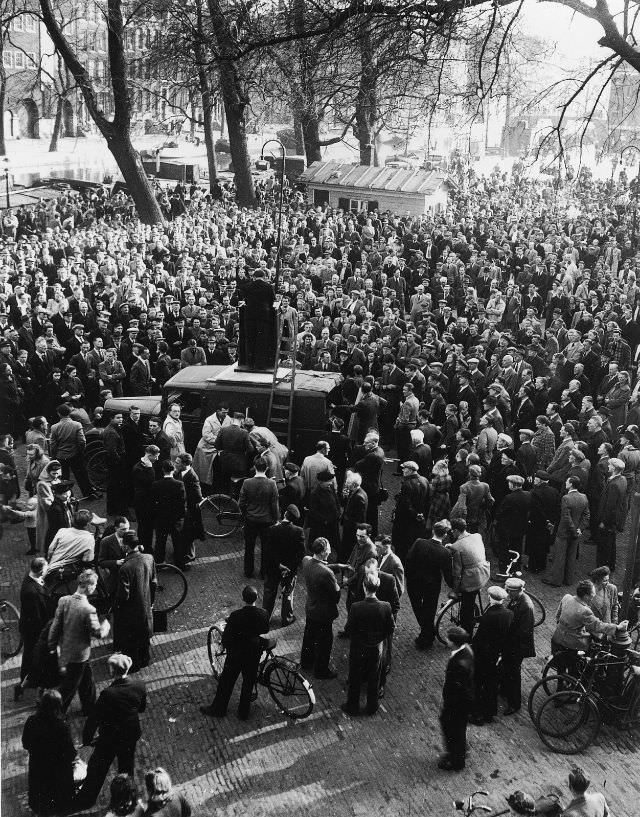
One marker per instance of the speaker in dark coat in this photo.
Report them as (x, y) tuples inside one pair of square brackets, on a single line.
[(257, 326)]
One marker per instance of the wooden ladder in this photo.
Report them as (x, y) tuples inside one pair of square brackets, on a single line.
[(280, 414)]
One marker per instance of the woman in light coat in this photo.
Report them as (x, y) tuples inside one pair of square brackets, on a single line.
[(206, 451), (172, 427)]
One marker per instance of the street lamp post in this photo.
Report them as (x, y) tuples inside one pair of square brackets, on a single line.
[(279, 238), (634, 187), (5, 162)]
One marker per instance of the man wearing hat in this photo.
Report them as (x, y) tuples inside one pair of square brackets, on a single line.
[(574, 519), (411, 508), (116, 719), (294, 490), (518, 645), (511, 519), (612, 513), (457, 700), (135, 592), (526, 455), (488, 644), (283, 555), (544, 513)]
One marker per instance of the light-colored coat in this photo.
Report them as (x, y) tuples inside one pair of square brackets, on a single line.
[(575, 621), (470, 565), (206, 451)]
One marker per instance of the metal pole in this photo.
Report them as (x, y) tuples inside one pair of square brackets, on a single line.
[(6, 180)]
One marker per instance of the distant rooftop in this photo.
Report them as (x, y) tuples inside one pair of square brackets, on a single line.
[(363, 177)]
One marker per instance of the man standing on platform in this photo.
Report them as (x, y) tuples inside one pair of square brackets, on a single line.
[(257, 339)]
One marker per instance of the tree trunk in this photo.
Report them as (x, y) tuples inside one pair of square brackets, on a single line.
[(298, 132), (311, 135), (136, 179), (209, 138), (367, 101), (57, 125), (234, 105), (3, 146)]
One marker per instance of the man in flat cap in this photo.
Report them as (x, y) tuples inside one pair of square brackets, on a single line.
[(488, 644), (543, 518), (519, 643), (511, 519)]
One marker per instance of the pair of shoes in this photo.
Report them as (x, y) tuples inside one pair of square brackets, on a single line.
[(511, 710), (287, 621), (327, 675), (477, 720), (18, 692), (189, 559), (211, 712), (448, 766), (343, 634), (372, 711), (422, 645), (347, 710)]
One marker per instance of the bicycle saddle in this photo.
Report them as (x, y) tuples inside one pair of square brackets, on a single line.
[(268, 643)]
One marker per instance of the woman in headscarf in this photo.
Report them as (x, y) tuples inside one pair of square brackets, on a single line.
[(37, 461), (51, 474)]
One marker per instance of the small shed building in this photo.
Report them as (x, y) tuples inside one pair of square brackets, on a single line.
[(359, 187)]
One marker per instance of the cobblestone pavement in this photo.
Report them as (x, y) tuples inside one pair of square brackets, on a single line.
[(329, 764)]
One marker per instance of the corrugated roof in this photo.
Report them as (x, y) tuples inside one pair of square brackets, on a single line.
[(363, 177)]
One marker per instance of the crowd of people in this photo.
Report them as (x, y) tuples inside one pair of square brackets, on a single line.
[(492, 346)]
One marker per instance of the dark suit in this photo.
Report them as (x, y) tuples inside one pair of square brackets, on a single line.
[(244, 646), (369, 465), (488, 644), (111, 551), (457, 700), (116, 716), (511, 524), (427, 563), (117, 501), (544, 509), (519, 645), (293, 493), (284, 546), (35, 611), (168, 498), (132, 617), (411, 504), (140, 378), (369, 625), (612, 511), (142, 479), (354, 513), (257, 335), (259, 507)]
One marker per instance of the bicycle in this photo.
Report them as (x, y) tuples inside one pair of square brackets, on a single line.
[(288, 688), (221, 516), (10, 637), (469, 807), (608, 686), (449, 614)]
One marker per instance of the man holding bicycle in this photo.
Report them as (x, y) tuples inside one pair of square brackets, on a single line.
[(244, 646)]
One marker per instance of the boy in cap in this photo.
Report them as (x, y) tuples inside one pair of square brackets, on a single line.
[(488, 643)]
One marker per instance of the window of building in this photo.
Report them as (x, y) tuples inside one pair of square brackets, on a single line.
[(31, 58), (18, 23), (90, 67), (7, 59), (18, 59), (30, 23), (320, 197)]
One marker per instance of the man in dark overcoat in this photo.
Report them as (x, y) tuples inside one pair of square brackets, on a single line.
[(427, 563), (488, 644)]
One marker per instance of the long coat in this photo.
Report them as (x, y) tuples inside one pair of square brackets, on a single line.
[(206, 451), (323, 514), (411, 503), (134, 595), (51, 754), (45, 495)]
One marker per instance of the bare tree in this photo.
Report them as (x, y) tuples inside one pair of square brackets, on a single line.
[(116, 131)]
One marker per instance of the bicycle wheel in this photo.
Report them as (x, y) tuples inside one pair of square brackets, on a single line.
[(216, 650), (289, 689), (556, 665), (545, 688), (449, 616), (539, 612), (171, 590), (98, 469), (220, 515), (10, 638), (568, 722)]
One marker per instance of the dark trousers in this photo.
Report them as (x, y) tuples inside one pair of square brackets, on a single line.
[(28, 646), (453, 722), (253, 530), (236, 663), (424, 602), (190, 533), (134, 644), (145, 528), (605, 547), (505, 542), (372, 508), (117, 501), (317, 642), (511, 680), (98, 768), (78, 678), (486, 681), (164, 529), (403, 442), (365, 664), (79, 468), (467, 605), (273, 580)]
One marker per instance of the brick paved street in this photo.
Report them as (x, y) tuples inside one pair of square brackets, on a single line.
[(329, 764)]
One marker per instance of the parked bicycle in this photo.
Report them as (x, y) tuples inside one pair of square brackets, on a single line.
[(288, 688), (568, 709), (10, 638), (449, 614), (221, 515), (468, 806)]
